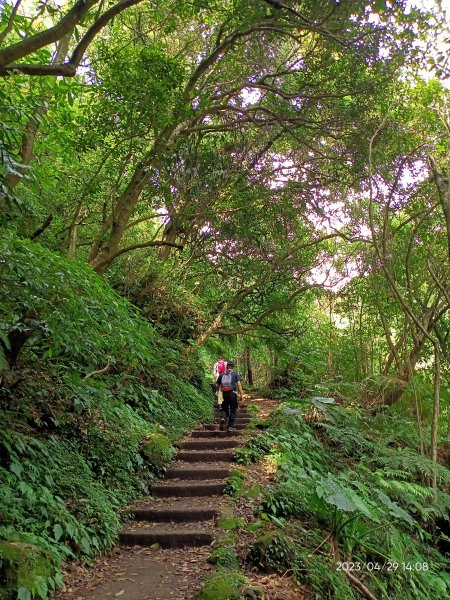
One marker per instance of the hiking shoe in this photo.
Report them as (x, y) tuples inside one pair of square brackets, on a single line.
[(231, 428), (222, 424)]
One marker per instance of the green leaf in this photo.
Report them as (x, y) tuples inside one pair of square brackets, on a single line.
[(86, 545), (3, 362), (57, 531), (341, 502), (23, 594), (394, 509), (323, 400), (363, 506), (5, 339), (41, 587), (16, 468)]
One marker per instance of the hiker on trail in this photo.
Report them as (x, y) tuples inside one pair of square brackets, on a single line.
[(219, 368), (230, 385)]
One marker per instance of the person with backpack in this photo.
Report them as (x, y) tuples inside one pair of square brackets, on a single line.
[(230, 385), (219, 368)]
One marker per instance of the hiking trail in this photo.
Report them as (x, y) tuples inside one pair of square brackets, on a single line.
[(164, 548)]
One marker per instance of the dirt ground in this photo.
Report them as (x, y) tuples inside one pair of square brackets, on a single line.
[(139, 574)]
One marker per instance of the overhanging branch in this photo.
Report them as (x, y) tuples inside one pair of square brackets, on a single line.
[(44, 38), (69, 68)]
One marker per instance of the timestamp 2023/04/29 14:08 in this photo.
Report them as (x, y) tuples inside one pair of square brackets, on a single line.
[(388, 566)]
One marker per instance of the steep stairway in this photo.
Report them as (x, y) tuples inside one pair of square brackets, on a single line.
[(186, 503)]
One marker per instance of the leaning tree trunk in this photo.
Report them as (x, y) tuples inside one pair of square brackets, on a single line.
[(103, 258), (112, 230), (73, 232)]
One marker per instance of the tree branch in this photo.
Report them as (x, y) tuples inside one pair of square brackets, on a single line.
[(79, 51), (42, 228), (69, 68), (9, 26), (156, 243), (98, 372), (44, 38)]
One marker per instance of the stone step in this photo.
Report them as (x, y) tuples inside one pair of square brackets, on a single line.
[(215, 426), (205, 456), (171, 515), (187, 488), (240, 411), (201, 433), (166, 539), (201, 474), (209, 444), (236, 420), (239, 415)]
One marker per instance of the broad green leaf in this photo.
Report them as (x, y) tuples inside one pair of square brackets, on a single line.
[(23, 594), (57, 531)]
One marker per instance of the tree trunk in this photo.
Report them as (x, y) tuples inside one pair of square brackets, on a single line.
[(18, 338), (436, 410), (170, 235), (249, 366), (44, 38), (103, 253), (443, 189), (118, 220), (419, 418), (73, 232), (204, 337)]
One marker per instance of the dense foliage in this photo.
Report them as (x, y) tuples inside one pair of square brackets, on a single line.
[(76, 446), (351, 493), (181, 179)]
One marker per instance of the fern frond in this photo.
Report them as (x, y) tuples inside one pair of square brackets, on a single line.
[(405, 459)]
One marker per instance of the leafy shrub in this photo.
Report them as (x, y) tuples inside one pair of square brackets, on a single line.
[(158, 450), (24, 570), (327, 582), (235, 482), (273, 550)]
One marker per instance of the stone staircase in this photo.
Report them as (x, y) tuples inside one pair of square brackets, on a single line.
[(186, 503)]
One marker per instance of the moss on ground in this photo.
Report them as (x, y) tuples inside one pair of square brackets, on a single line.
[(224, 557), (223, 586), (231, 523), (22, 566), (272, 550)]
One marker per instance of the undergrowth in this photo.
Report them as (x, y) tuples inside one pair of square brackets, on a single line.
[(351, 495), (91, 405)]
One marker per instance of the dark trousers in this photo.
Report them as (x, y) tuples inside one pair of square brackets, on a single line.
[(229, 407)]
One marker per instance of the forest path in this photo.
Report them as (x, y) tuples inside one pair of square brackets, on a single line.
[(165, 548)]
